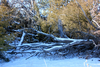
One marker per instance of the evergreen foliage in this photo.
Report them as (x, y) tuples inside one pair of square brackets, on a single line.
[(4, 23), (71, 16)]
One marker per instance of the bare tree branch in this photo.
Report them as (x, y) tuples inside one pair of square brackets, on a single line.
[(60, 28), (86, 15), (22, 38)]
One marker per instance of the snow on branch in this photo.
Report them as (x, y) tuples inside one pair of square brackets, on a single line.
[(22, 38), (47, 47)]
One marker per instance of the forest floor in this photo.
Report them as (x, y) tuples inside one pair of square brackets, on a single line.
[(19, 61), (77, 56)]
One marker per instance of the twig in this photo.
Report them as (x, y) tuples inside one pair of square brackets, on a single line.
[(30, 56), (94, 43), (96, 23), (45, 63)]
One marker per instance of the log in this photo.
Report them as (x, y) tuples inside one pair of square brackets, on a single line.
[(60, 46)]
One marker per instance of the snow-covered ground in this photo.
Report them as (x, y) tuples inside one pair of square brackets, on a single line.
[(19, 61), (62, 62)]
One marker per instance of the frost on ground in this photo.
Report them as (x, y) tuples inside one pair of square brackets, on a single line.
[(41, 62)]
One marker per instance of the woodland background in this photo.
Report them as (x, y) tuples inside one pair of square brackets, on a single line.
[(33, 22)]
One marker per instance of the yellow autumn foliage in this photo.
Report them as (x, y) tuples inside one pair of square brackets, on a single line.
[(71, 15), (4, 22)]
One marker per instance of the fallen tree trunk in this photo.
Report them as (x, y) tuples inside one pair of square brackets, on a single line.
[(58, 46)]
